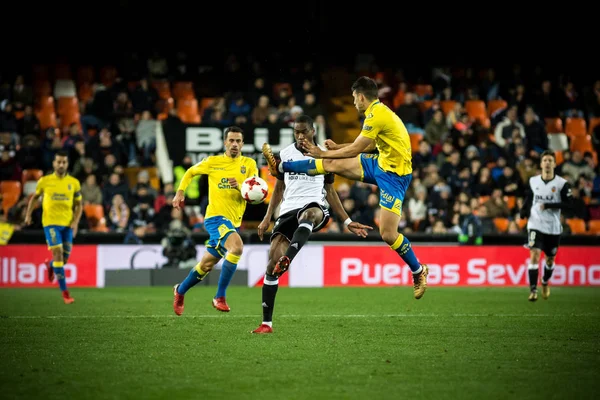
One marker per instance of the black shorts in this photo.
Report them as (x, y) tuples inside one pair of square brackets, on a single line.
[(543, 241), (287, 223)]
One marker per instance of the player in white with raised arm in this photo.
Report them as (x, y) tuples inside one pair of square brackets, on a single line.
[(304, 210)]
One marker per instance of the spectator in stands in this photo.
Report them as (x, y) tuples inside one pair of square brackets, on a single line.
[(261, 111), (570, 103), (114, 187), (8, 122), (436, 129), (22, 94), (510, 183), (9, 167), (504, 130), (90, 191), (118, 215), (144, 97), (257, 91), (239, 106), (519, 99), (575, 167), (145, 134), (417, 209), (311, 107), (496, 206), (593, 106), (422, 157), (527, 169), (29, 155), (535, 134), (578, 207), (487, 220), (143, 180), (29, 124), (142, 211), (165, 197), (410, 114), (452, 166), (51, 144), (546, 104)]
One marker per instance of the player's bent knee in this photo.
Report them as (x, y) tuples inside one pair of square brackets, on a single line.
[(313, 214), (550, 261), (388, 236), (57, 253)]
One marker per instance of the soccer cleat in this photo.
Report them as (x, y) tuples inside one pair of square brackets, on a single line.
[(263, 328), (533, 295), (177, 301), (545, 291), (50, 270), (420, 282), (220, 304), (283, 264), (67, 297), (272, 163)]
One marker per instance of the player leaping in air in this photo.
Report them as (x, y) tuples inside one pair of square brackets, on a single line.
[(61, 212), (390, 170), (547, 195), (223, 218), (305, 209)]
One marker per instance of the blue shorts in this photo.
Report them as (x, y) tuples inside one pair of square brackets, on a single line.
[(392, 187), (219, 228), (58, 235)]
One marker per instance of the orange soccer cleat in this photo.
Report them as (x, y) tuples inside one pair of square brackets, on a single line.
[(263, 328), (220, 304), (177, 301), (67, 297)]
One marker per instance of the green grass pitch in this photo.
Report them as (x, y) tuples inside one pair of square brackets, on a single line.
[(333, 343)]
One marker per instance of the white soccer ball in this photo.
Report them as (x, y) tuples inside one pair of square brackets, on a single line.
[(255, 190)]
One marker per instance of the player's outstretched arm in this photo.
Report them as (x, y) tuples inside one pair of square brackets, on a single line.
[(360, 144), (331, 145), (199, 169), (334, 200), (276, 198)]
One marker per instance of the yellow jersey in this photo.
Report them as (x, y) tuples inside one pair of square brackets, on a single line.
[(390, 136), (223, 200), (59, 195)]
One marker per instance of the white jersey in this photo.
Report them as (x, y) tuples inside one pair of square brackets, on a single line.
[(551, 194), (300, 189)]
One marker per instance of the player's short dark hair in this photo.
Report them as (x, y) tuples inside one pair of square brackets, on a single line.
[(548, 153), (305, 119), (61, 153), (233, 128), (366, 86)]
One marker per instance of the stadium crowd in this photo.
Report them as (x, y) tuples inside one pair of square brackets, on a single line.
[(476, 138)]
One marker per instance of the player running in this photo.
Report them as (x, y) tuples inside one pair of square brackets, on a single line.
[(61, 212), (223, 215), (546, 196), (390, 170), (305, 209)]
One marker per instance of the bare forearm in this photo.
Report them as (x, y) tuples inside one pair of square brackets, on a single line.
[(335, 203), (347, 151), (77, 213), (275, 199), (31, 204)]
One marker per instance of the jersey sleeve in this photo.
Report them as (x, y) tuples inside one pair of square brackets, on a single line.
[(252, 168), (371, 127), (201, 168), (77, 194), (566, 199), (526, 210), (39, 188)]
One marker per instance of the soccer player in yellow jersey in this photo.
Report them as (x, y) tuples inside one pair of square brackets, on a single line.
[(223, 215), (61, 212), (390, 170)]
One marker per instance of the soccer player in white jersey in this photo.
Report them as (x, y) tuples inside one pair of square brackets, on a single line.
[(304, 210), (547, 195)]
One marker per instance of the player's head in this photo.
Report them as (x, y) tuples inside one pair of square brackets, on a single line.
[(364, 91), (548, 162), (234, 140), (304, 129), (61, 162)]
